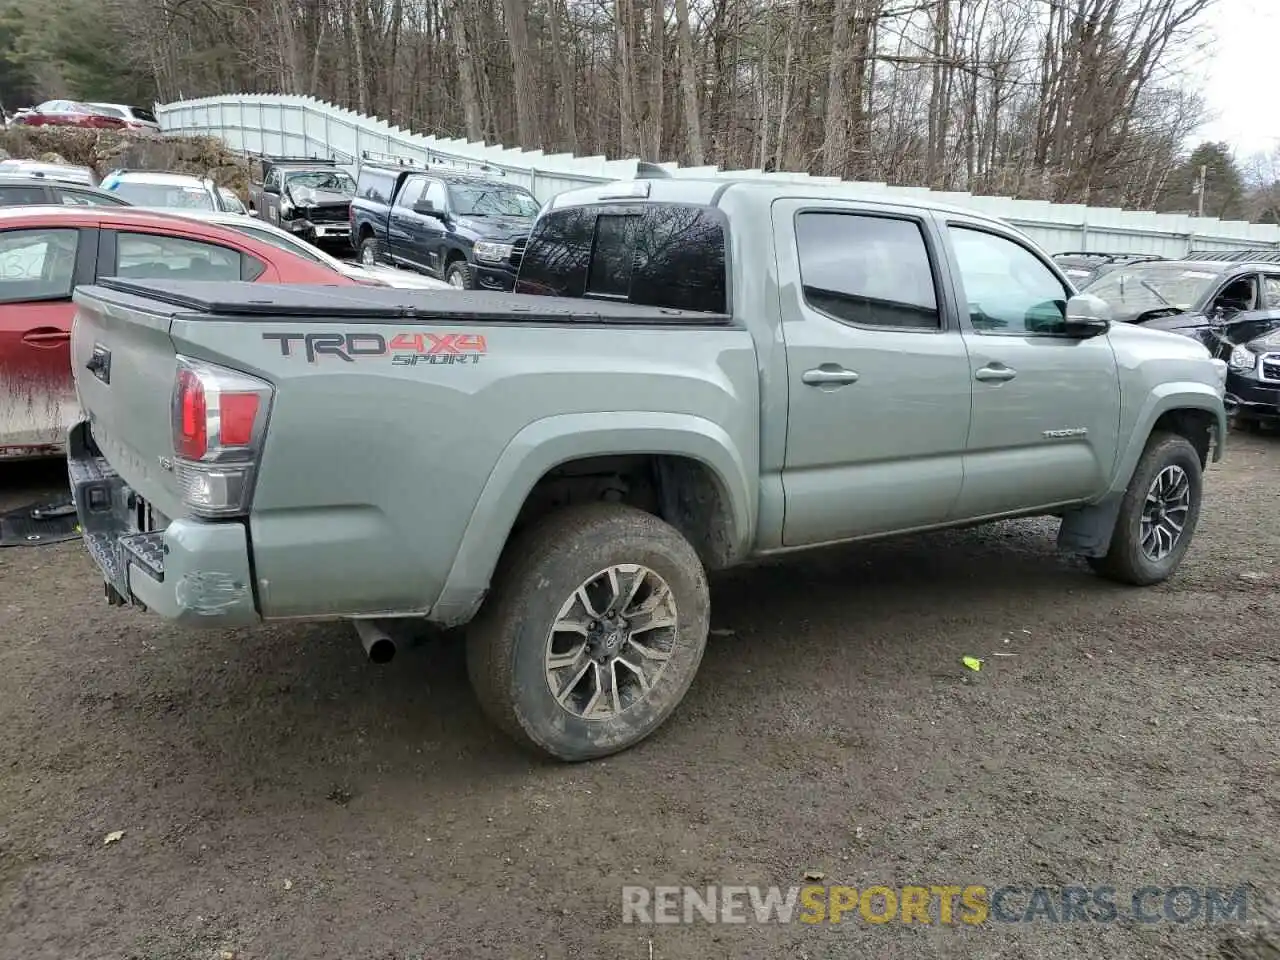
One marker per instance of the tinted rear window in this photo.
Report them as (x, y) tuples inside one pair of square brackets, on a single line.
[(12, 196), (655, 254), (376, 185)]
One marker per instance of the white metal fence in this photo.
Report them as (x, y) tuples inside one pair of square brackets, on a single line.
[(304, 126)]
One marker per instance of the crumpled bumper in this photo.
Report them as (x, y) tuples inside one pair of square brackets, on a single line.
[(194, 572)]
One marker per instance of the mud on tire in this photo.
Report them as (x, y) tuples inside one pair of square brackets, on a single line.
[(1169, 468), (629, 598)]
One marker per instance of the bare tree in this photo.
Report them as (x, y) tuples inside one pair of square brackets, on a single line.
[(1071, 100)]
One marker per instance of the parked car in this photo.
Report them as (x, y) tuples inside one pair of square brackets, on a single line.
[(165, 191), (269, 233), (162, 189), (466, 229), (1083, 268), (231, 202), (136, 118), (310, 198), (34, 191), (1233, 308), (64, 172), (858, 367), (69, 113), (45, 252)]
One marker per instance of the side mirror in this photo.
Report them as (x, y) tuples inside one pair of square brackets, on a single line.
[(1087, 316)]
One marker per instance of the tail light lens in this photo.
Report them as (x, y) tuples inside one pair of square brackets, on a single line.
[(219, 419)]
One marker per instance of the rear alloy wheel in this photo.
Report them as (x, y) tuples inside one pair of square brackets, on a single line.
[(593, 631), (369, 251), (1158, 514)]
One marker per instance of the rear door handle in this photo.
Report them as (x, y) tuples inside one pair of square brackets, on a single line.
[(46, 337), (828, 376), (996, 371)]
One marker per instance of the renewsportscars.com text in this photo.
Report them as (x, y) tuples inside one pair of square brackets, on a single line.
[(971, 905)]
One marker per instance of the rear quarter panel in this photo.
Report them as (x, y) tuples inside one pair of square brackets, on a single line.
[(374, 466)]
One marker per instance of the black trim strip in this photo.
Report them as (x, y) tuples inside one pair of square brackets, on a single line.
[(313, 303)]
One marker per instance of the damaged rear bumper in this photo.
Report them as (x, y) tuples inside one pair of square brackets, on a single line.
[(190, 571)]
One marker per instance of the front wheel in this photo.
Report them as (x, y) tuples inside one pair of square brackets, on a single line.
[(592, 633), (458, 275), (1158, 514)]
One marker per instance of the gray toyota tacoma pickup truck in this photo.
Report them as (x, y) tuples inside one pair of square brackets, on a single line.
[(690, 374)]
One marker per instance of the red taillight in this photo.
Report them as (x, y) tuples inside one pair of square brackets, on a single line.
[(192, 440), (237, 414), (219, 417)]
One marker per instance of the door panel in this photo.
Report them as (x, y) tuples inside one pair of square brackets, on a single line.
[(402, 224), (38, 270), (1046, 407), (878, 377), (431, 230)]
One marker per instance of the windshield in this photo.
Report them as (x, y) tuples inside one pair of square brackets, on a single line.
[(143, 114), (490, 200), (332, 180), (1150, 286), (176, 196)]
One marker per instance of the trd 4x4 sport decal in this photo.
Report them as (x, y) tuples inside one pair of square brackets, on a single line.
[(405, 349)]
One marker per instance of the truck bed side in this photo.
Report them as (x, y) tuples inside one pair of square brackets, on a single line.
[(406, 430)]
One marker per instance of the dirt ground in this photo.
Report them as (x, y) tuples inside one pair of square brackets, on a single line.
[(280, 797)]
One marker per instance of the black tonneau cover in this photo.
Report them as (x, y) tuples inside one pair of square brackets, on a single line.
[(266, 301)]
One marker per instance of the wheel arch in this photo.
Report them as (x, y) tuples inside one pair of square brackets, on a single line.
[(701, 485), (1191, 410)]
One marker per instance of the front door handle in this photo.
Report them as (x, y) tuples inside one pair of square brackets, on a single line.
[(996, 371), (828, 375), (46, 337)]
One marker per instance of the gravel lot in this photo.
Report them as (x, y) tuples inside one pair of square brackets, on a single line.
[(282, 798)]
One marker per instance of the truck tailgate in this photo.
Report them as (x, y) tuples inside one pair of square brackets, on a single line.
[(124, 367)]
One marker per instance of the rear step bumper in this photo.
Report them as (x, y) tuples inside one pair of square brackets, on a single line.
[(193, 572)]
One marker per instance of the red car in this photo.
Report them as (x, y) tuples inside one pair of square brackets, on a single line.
[(70, 113), (46, 251)]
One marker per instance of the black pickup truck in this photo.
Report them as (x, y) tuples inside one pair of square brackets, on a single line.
[(469, 230)]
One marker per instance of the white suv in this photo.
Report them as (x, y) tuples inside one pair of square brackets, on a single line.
[(165, 191)]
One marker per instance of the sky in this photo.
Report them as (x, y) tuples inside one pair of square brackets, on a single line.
[(1239, 76)]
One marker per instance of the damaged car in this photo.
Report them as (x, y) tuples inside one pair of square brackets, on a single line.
[(1232, 307), (309, 198)]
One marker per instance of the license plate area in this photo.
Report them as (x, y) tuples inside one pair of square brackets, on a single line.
[(117, 524)]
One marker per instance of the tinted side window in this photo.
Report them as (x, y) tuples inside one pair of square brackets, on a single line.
[(1271, 292), (37, 264), (658, 255), (436, 193), (410, 192), (872, 271), (375, 185), (155, 256), (1009, 289), (80, 198), (12, 196)]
